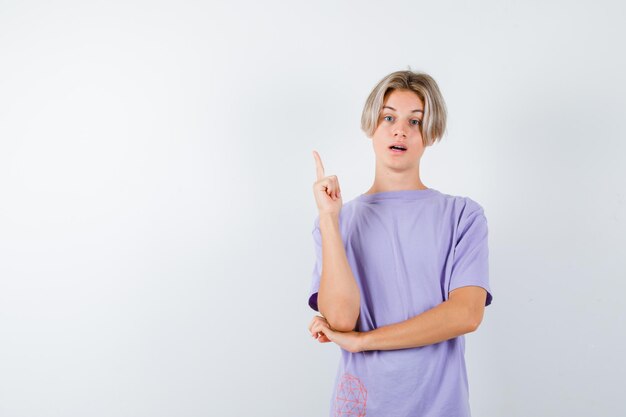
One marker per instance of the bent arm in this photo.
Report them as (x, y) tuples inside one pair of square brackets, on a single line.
[(461, 313), (338, 298)]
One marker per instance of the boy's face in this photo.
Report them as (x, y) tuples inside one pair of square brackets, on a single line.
[(399, 122)]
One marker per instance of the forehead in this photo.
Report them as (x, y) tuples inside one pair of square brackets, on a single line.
[(403, 100)]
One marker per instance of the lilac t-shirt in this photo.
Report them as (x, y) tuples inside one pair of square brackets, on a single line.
[(407, 250)]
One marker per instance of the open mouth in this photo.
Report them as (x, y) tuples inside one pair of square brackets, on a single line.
[(397, 148)]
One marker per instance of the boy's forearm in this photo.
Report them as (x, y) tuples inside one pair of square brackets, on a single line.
[(338, 297), (442, 322)]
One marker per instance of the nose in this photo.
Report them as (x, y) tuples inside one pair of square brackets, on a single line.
[(399, 131)]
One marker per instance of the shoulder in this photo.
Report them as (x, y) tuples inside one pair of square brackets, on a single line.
[(464, 208), (471, 206), (463, 201)]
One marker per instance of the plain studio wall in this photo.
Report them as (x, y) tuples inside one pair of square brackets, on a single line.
[(156, 206)]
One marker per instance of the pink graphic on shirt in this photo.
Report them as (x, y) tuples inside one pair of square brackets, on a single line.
[(351, 397)]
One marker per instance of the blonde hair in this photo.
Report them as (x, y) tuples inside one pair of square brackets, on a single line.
[(433, 124)]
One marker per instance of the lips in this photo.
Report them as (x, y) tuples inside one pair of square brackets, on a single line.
[(398, 147)]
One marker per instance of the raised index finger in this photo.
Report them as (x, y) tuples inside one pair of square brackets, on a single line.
[(318, 165)]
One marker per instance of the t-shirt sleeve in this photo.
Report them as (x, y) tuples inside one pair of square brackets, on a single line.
[(317, 268), (470, 264)]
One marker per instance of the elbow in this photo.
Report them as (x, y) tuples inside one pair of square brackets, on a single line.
[(473, 322), (337, 321), (472, 326), (342, 326), (340, 318), (473, 316)]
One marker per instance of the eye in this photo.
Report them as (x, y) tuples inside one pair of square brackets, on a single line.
[(418, 122), (385, 118)]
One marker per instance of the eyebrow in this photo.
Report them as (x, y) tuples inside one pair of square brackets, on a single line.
[(412, 111)]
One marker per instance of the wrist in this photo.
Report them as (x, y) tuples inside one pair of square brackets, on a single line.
[(364, 341), (329, 215), (329, 218)]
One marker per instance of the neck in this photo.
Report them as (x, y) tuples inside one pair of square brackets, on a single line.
[(390, 180)]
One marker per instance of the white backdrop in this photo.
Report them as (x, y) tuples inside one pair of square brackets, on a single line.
[(156, 206)]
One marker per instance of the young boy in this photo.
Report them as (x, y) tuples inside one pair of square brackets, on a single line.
[(402, 270)]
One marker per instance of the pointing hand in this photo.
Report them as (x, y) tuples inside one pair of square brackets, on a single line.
[(326, 190)]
